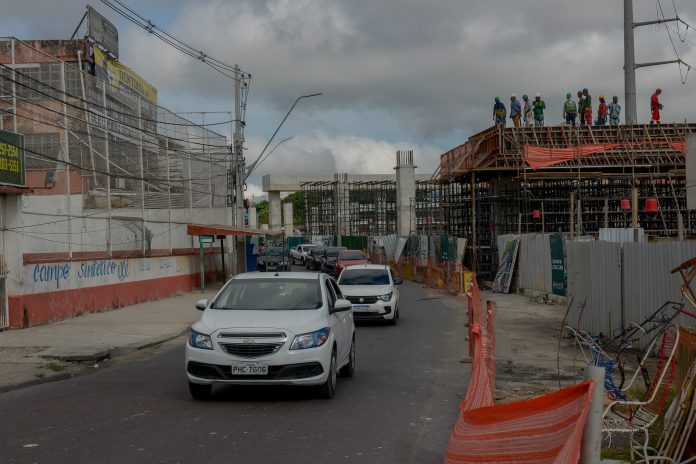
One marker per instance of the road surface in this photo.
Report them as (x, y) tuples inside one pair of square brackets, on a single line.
[(399, 408)]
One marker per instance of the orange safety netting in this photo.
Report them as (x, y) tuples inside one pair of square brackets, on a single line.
[(540, 157), (547, 429)]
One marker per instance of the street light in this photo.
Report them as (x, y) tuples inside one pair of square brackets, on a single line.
[(253, 165)]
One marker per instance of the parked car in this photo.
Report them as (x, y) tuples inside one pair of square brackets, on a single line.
[(299, 253), (328, 259), (289, 329), (349, 258), (313, 259), (372, 290), (272, 259)]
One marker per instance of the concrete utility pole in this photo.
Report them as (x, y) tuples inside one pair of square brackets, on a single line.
[(630, 64), (236, 188)]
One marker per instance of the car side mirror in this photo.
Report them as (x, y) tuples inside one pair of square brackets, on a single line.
[(341, 305), (398, 281), (201, 304)]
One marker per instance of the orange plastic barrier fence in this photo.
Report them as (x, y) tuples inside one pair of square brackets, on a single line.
[(547, 429), (543, 430)]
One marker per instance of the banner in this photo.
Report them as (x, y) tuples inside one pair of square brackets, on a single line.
[(503, 278), (558, 267), (122, 76), (12, 159)]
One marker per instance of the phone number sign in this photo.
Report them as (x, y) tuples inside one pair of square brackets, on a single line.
[(12, 159)]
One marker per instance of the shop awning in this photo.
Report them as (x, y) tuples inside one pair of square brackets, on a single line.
[(220, 229)]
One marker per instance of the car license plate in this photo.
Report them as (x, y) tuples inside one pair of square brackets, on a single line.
[(250, 368), (271, 268), (361, 307)]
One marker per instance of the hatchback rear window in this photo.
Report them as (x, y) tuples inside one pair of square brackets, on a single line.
[(351, 255), (269, 295), (364, 277)]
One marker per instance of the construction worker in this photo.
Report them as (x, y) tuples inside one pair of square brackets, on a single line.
[(527, 111), (539, 106), (587, 114), (601, 112), (499, 112), (570, 110), (614, 110), (655, 107), (515, 110), (581, 107)]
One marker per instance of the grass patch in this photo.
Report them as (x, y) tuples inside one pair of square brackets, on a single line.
[(53, 366)]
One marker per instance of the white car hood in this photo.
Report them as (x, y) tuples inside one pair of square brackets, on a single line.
[(365, 290), (295, 321)]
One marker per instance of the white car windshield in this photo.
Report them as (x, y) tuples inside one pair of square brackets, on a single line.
[(269, 294), (364, 277)]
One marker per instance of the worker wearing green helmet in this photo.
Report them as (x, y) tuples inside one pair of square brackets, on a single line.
[(614, 111)]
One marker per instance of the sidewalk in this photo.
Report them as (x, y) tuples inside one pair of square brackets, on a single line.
[(51, 352)]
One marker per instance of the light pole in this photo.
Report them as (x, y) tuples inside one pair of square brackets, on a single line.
[(256, 165), (278, 128)]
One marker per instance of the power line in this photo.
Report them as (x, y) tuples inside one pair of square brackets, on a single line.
[(108, 118)]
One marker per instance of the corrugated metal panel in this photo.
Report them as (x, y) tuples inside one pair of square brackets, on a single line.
[(533, 261), (620, 235), (594, 276), (648, 281)]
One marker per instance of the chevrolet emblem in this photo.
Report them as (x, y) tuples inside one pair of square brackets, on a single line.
[(362, 300)]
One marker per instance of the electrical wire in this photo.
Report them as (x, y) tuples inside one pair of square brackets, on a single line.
[(105, 116), (682, 76)]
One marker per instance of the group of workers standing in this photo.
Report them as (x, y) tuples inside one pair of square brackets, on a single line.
[(532, 112)]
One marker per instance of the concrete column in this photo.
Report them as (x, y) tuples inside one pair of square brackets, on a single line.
[(690, 156), (274, 220), (252, 217), (405, 192), (287, 219)]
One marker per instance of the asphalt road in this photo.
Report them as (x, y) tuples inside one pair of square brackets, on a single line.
[(399, 408)]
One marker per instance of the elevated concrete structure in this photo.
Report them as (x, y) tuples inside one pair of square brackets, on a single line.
[(405, 193), (275, 184)]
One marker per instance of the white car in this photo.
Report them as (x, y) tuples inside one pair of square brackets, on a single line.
[(263, 328), (299, 253), (371, 288)]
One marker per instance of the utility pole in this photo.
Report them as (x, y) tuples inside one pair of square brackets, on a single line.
[(237, 172), (630, 64)]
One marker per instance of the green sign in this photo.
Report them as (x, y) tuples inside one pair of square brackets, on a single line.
[(12, 159), (206, 238), (558, 267)]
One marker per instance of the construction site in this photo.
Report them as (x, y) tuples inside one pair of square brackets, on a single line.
[(573, 180)]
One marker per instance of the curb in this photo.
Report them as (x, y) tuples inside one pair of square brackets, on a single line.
[(30, 383), (92, 357)]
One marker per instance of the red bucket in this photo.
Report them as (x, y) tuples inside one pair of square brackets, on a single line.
[(651, 205)]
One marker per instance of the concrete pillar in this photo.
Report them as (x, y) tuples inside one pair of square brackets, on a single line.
[(287, 219), (690, 155), (274, 220), (405, 192), (252, 217)]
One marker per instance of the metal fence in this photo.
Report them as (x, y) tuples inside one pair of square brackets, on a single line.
[(533, 262), (112, 171), (623, 283)]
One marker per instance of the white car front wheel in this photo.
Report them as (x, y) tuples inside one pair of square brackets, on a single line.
[(328, 388)]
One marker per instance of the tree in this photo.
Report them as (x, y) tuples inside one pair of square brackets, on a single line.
[(262, 212), (298, 207)]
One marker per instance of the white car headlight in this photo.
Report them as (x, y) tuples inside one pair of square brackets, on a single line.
[(310, 340), (385, 297), (199, 340)]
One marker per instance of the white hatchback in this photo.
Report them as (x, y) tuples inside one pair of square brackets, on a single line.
[(372, 290), (262, 328)]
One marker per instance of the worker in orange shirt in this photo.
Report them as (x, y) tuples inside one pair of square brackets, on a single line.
[(655, 107)]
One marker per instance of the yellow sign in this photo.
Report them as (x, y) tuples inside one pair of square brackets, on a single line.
[(121, 76), (11, 159)]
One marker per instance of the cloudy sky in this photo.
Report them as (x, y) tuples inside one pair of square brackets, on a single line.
[(394, 73)]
